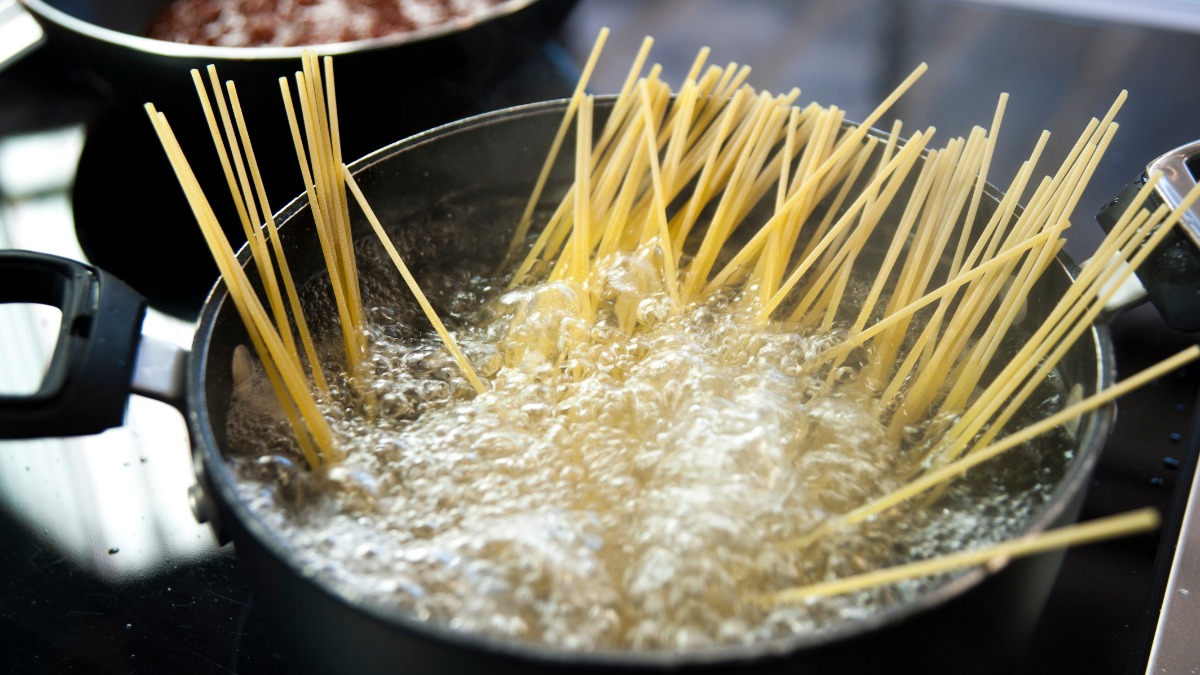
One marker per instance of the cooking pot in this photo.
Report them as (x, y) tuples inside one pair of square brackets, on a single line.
[(106, 38), (407, 81), (976, 622)]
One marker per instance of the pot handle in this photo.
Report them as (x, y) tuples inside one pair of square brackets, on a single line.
[(1170, 276), (87, 384)]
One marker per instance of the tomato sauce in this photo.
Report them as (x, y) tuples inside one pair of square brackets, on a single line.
[(284, 23)]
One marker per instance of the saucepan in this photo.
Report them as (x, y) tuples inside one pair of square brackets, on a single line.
[(108, 40), (977, 622)]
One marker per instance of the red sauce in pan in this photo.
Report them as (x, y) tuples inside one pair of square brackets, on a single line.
[(284, 23)]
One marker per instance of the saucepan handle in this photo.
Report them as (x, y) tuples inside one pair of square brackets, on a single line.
[(1170, 276), (87, 383)]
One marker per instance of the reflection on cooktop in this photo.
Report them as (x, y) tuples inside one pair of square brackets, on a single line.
[(89, 506)]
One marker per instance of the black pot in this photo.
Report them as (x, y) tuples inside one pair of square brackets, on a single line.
[(977, 622)]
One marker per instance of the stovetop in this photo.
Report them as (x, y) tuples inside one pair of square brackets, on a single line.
[(103, 568)]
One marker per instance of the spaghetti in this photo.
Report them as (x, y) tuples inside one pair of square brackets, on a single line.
[(843, 311)]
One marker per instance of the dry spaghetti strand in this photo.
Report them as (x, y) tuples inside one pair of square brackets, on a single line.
[(430, 313), (291, 387), (1101, 529)]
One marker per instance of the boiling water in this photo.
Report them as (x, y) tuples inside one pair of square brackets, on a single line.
[(631, 482)]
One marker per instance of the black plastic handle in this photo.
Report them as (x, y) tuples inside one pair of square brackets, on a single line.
[(86, 387)]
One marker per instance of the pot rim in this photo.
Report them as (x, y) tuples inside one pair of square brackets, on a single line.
[(164, 48), (221, 480)]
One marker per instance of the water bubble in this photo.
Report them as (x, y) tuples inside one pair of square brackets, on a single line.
[(632, 475)]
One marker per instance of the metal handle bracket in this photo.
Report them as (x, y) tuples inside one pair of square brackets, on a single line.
[(1171, 274)]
